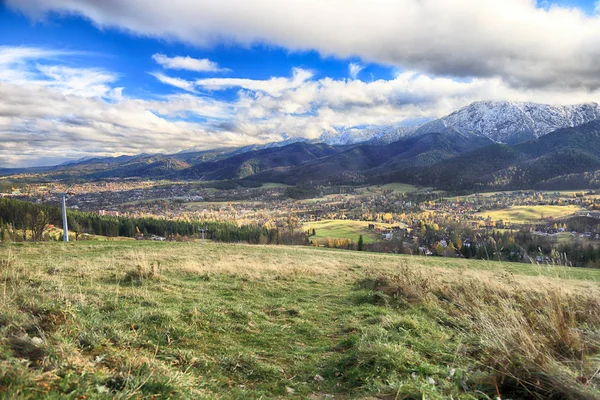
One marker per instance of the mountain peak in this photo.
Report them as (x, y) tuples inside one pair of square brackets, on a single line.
[(502, 121), (513, 122)]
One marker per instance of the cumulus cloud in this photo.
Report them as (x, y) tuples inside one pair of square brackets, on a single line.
[(187, 63), (50, 111), (524, 45)]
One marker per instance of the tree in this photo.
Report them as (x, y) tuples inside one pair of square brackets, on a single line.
[(439, 249), (360, 245), (75, 226), (458, 242), (38, 223)]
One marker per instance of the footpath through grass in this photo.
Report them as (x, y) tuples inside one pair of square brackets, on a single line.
[(176, 320)]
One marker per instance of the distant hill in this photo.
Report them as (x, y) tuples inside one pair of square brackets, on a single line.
[(479, 147), (364, 162), (527, 165), (148, 167), (252, 162), (457, 161)]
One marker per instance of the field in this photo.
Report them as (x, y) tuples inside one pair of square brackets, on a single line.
[(339, 229), (272, 185), (180, 320), (397, 187), (530, 214)]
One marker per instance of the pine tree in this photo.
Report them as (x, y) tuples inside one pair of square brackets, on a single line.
[(360, 245)]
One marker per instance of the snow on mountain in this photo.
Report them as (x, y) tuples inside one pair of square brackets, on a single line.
[(512, 122), (73, 162), (272, 145), (501, 121), (373, 135)]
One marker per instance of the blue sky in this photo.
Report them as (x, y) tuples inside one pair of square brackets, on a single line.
[(88, 78), (130, 55)]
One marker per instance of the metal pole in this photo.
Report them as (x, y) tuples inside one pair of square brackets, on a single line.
[(203, 235), (64, 215)]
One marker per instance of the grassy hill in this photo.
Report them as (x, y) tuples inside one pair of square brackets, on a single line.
[(184, 320)]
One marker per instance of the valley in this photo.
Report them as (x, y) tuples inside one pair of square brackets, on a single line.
[(300, 199), (309, 270), (551, 227)]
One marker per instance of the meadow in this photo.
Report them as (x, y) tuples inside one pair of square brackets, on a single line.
[(127, 320), (530, 214), (344, 229), (396, 188)]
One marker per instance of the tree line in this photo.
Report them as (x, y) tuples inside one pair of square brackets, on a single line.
[(22, 221)]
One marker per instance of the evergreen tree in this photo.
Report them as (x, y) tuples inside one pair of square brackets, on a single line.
[(360, 245)]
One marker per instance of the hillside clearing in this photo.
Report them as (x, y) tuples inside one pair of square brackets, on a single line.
[(344, 229), (396, 188), (530, 214), (183, 320)]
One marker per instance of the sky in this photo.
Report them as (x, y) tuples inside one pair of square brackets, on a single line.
[(87, 78)]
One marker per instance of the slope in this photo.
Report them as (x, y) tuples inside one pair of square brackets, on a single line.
[(522, 166), (183, 320), (369, 161), (252, 162)]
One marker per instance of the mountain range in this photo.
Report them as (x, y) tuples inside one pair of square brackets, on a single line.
[(486, 145), (501, 121)]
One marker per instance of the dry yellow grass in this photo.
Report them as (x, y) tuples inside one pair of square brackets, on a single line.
[(539, 339), (530, 214), (237, 321)]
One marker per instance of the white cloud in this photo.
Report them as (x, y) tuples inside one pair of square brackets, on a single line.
[(176, 82), (524, 45), (274, 86), (354, 69), (88, 82), (49, 110), (187, 63)]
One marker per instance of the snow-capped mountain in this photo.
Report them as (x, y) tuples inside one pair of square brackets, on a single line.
[(372, 134), (272, 145), (501, 121), (512, 122)]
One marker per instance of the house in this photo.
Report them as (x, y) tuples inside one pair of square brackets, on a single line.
[(106, 213)]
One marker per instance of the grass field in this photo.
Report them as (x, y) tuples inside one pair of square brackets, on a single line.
[(273, 185), (179, 320), (527, 214), (397, 187), (339, 229)]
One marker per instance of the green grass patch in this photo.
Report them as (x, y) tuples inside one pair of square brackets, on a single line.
[(343, 229), (273, 185), (184, 320)]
